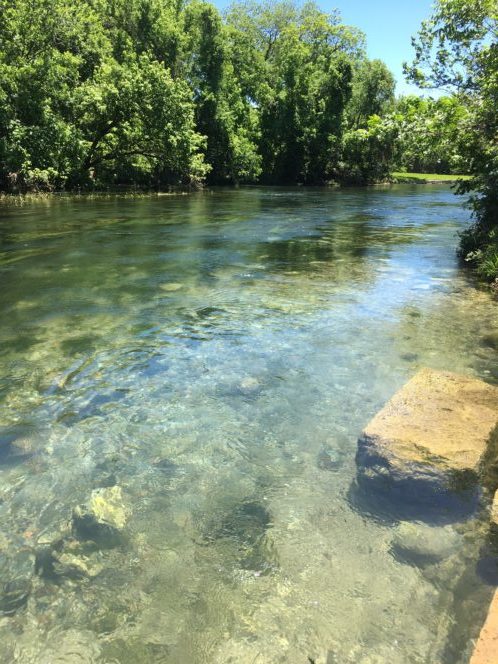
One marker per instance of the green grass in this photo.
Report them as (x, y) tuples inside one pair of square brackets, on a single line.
[(428, 177)]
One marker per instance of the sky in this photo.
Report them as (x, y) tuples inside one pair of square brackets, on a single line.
[(388, 25)]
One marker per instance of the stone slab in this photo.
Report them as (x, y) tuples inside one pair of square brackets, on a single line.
[(486, 650), (435, 431), (437, 416)]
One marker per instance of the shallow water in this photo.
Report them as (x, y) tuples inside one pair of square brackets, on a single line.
[(216, 356)]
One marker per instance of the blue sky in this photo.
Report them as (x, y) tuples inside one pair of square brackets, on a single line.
[(388, 25)]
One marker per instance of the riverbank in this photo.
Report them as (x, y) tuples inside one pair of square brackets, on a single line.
[(431, 450), (131, 191)]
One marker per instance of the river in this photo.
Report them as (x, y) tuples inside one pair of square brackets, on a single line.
[(215, 356)]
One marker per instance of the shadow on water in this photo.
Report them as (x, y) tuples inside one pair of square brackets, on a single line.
[(472, 596), (386, 503), (97, 406), (354, 243)]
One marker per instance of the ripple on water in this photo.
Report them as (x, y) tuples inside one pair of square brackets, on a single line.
[(213, 359)]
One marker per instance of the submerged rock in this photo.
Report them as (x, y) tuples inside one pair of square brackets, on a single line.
[(14, 595), (68, 558), (166, 466), (249, 384), (17, 443), (71, 645), (490, 340), (244, 530), (428, 443), (409, 357), (329, 459), (54, 533), (103, 518), (170, 287), (419, 544), (72, 566), (16, 573), (105, 480)]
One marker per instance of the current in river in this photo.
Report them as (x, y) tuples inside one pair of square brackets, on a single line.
[(209, 361)]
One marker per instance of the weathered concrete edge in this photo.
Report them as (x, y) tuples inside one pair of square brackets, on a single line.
[(486, 648)]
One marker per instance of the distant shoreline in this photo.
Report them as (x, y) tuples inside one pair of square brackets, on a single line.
[(131, 191)]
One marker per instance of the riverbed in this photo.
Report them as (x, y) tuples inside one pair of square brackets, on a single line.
[(215, 356)]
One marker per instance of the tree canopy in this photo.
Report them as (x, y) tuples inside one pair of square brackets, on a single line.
[(100, 93)]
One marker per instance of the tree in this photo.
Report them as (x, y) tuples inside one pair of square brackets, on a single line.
[(369, 152), (371, 131), (157, 92), (86, 94), (299, 81), (430, 134), (372, 92), (457, 48), (139, 121), (223, 115)]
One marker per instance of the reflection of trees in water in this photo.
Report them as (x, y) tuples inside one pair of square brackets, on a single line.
[(92, 269), (342, 251), (90, 272)]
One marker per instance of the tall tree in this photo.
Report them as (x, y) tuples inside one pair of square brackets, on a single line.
[(302, 58), (81, 99), (223, 115), (372, 92), (431, 136)]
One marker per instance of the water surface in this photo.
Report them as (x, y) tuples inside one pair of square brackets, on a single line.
[(216, 356)]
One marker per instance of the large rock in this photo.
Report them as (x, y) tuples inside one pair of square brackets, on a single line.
[(103, 518), (67, 564), (431, 438), (486, 650)]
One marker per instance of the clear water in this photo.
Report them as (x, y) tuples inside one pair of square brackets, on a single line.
[(216, 356)]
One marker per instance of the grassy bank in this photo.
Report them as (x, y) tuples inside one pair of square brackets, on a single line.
[(428, 178)]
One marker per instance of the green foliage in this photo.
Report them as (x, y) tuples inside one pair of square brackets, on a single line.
[(479, 247), (98, 93), (85, 98), (223, 115), (137, 120), (372, 92), (458, 47), (368, 152), (431, 134), (371, 131), (297, 74)]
